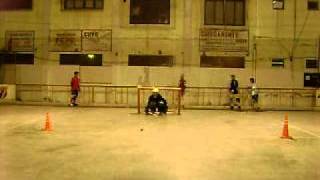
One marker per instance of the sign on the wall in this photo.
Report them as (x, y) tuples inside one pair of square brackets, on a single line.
[(20, 41), (220, 40), (96, 40), (65, 40)]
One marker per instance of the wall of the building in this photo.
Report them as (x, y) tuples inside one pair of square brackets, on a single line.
[(293, 34), (270, 31), (27, 20)]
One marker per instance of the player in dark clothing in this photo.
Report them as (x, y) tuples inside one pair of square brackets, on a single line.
[(234, 93), (156, 103), (234, 85), (182, 85)]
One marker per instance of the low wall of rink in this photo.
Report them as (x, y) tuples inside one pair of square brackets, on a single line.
[(194, 97)]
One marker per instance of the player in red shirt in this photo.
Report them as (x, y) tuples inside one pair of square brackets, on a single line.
[(75, 88)]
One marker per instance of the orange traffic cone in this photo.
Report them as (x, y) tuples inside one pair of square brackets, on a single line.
[(47, 125), (285, 131)]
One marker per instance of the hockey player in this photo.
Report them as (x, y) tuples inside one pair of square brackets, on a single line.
[(75, 88), (234, 93), (156, 103), (254, 94)]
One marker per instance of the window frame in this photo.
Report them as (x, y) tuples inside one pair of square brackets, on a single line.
[(13, 58), (312, 1), (64, 5), (311, 80), (83, 59), (244, 19), (169, 63), (309, 65), (278, 62), (166, 23), (222, 62)]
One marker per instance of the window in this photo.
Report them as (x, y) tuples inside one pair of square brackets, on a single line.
[(150, 12), (278, 62), (311, 63), (311, 79), (224, 12), (278, 4), (15, 4), (83, 4), (19, 58), (150, 60), (81, 59), (222, 62), (313, 5)]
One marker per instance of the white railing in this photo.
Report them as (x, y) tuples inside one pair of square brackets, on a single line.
[(195, 97), (269, 98)]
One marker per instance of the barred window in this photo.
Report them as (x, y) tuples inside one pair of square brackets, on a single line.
[(224, 12), (82, 4), (150, 12), (15, 4)]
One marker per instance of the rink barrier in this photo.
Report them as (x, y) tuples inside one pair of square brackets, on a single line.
[(194, 98)]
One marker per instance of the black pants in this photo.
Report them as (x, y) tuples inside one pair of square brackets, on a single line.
[(154, 107), (255, 98)]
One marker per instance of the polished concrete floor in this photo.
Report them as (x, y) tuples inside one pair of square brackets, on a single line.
[(101, 143)]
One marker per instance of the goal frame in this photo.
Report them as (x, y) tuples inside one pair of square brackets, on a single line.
[(140, 88)]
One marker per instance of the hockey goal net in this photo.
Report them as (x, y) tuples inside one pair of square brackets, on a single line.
[(171, 94)]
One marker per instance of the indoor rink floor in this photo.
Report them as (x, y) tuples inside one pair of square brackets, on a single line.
[(119, 144)]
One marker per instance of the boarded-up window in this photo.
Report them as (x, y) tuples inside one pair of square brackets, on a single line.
[(222, 62), (17, 58), (313, 5), (82, 4), (81, 59), (150, 12), (312, 63), (15, 4), (225, 12), (150, 60)]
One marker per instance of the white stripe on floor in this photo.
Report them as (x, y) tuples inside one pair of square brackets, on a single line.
[(305, 131)]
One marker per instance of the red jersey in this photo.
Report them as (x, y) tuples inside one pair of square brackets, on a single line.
[(75, 84)]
